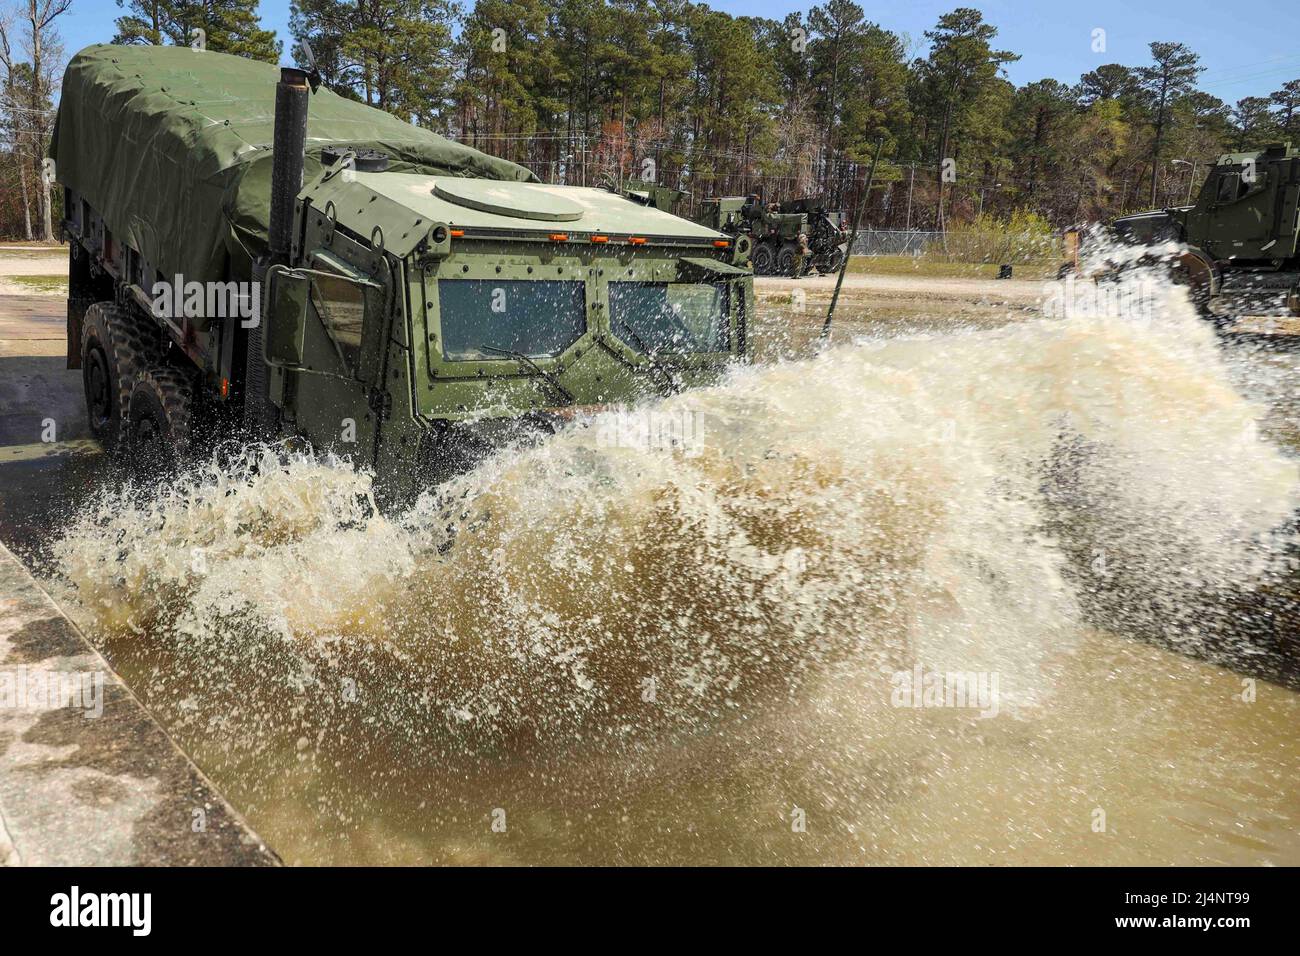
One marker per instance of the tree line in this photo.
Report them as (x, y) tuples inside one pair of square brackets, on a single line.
[(598, 91)]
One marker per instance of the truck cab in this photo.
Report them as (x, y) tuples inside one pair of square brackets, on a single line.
[(1247, 208), (438, 315)]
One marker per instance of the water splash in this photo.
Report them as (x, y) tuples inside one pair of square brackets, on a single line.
[(886, 502), (650, 651)]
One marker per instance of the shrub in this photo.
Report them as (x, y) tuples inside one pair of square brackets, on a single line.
[(1023, 238)]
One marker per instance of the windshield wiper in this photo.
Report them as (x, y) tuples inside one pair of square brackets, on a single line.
[(674, 382), (537, 369)]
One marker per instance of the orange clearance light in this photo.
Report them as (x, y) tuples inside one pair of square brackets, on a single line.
[(457, 233), (559, 237), (721, 243), (600, 238), (225, 388), (637, 240)]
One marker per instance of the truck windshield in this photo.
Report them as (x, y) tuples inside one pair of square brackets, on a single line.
[(483, 318), (670, 316)]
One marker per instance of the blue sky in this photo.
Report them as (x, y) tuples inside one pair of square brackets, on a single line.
[(1246, 50)]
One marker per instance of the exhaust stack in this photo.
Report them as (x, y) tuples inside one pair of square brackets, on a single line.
[(290, 139), (291, 95)]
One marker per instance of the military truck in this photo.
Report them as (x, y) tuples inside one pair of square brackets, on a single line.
[(778, 240), (647, 193), (1240, 236), (249, 250), (828, 233)]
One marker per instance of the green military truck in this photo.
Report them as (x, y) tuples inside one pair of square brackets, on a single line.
[(828, 233), (249, 250), (1239, 252), (778, 240)]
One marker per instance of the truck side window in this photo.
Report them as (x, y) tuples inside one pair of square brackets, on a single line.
[(341, 306), (1229, 188)]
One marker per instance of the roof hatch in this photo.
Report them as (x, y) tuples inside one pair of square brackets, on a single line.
[(513, 199)]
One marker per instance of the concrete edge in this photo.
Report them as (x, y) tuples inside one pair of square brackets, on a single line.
[(87, 775)]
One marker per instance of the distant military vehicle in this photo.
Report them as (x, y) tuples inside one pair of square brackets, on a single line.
[(779, 240), (1241, 235), (789, 238), (828, 233), (664, 198), (345, 276)]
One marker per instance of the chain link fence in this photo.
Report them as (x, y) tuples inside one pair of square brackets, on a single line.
[(894, 242), (959, 245)]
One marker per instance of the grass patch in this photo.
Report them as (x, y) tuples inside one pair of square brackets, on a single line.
[(40, 283), (32, 249), (925, 267)]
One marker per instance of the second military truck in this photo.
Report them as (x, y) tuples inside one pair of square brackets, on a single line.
[(248, 249), (787, 239), (1239, 243)]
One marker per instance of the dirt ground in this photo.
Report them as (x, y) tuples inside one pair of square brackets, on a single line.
[(938, 289), (33, 263), (791, 311)]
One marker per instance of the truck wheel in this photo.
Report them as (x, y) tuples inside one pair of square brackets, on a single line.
[(160, 412), (115, 345), (832, 262), (763, 259), (785, 260), (1203, 281)]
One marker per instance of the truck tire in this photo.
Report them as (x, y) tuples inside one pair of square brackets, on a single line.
[(160, 414), (763, 259), (115, 345), (785, 260), (1203, 280)]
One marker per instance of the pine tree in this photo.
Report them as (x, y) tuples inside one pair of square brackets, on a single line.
[(956, 79), (1173, 74), (1287, 103), (393, 54), (229, 26)]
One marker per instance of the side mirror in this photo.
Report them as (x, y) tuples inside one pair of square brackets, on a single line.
[(286, 318)]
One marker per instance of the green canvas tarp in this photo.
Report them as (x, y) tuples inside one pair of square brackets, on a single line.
[(172, 146)]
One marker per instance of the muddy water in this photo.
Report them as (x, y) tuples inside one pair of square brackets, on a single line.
[(599, 649)]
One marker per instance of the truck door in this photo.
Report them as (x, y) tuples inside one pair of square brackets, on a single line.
[(1238, 218), (328, 374)]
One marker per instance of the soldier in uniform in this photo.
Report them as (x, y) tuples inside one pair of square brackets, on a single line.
[(801, 257)]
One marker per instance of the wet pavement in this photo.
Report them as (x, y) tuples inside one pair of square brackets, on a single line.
[(48, 462)]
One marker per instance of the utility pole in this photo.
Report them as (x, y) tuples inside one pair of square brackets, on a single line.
[(1191, 179), (863, 199), (911, 180)]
